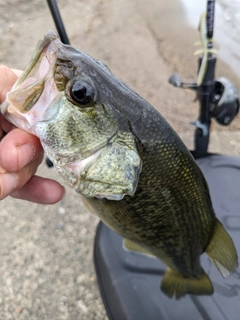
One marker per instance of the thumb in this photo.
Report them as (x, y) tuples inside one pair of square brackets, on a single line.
[(7, 80)]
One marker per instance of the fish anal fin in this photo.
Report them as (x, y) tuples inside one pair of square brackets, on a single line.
[(175, 284), (132, 246), (221, 250)]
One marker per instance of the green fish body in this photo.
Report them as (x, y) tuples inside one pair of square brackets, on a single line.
[(126, 161)]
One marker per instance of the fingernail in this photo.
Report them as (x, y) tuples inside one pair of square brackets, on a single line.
[(26, 153), (64, 193), (8, 184)]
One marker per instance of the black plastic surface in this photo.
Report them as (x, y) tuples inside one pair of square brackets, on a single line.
[(130, 282)]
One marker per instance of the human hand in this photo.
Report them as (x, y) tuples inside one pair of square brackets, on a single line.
[(20, 155)]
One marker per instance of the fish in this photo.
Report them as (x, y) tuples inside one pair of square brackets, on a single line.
[(128, 164)]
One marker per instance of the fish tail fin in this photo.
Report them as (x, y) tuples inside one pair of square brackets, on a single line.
[(175, 284), (221, 250)]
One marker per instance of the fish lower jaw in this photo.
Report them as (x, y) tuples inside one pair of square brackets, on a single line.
[(79, 166), (37, 113), (35, 89), (68, 170), (12, 115)]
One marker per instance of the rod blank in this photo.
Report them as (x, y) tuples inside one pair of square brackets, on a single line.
[(58, 21)]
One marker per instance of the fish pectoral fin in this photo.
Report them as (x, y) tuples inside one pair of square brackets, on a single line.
[(132, 246), (221, 250), (175, 284), (87, 205)]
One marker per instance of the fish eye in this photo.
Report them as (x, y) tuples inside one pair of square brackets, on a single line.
[(82, 93)]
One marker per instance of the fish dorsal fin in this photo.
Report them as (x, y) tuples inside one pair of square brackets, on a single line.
[(221, 250), (132, 246)]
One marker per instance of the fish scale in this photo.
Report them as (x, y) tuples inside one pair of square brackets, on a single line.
[(154, 196)]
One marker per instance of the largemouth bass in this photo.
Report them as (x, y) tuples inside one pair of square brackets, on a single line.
[(126, 161)]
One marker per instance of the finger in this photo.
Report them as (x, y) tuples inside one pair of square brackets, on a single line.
[(13, 181), (7, 80), (5, 126), (41, 190), (17, 149)]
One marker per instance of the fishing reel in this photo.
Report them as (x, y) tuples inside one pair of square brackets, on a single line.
[(225, 101), (218, 99), (224, 104)]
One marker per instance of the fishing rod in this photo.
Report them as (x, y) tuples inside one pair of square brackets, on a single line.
[(206, 88), (58, 21)]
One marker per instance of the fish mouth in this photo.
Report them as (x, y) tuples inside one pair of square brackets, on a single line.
[(42, 44), (29, 87), (30, 95)]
